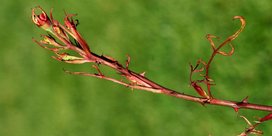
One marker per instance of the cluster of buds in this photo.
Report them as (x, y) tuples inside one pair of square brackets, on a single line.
[(63, 39), (67, 37)]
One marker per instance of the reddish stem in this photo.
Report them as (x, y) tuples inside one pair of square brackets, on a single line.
[(163, 90)]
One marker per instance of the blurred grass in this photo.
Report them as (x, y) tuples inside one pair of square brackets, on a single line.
[(162, 37)]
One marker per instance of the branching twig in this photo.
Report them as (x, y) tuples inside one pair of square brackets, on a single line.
[(252, 127), (67, 33)]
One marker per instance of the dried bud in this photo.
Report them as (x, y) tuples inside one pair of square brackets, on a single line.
[(50, 40), (41, 20), (60, 32), (199, 90), (69, 22), (71, 26), (65, 57)]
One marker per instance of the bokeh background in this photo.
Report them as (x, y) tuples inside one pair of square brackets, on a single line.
[(162, 37)]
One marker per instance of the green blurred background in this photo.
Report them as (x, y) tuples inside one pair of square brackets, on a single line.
[(162, 36)]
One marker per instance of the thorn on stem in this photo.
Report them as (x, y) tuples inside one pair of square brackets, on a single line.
[(142, 74), (245, 100), (236, 109), (127, 62)]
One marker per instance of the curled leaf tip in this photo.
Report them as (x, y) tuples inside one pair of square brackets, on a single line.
[(242, 20), (238, 17)]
